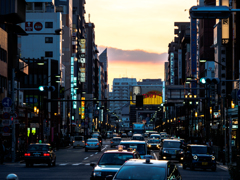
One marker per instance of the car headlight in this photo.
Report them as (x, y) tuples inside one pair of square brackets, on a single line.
[(96, 173), (157, 145), (165, 151), (195, 157), (213, 158), (181, 152), (149, 145)]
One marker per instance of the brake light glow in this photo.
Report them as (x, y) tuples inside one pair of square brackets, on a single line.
[(27, 154), (97, 143), (86, 144), (46, 154), (111, 142)]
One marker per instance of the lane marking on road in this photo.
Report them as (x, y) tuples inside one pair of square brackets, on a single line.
[(77, 164), (91, 154), (155, 155), (62, 164), (96, 153), (223, 167), (86, 158), (87, 164)]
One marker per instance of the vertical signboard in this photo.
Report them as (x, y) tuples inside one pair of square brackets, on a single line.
[(82, 61), (171, 68), (83, 108), (193, 46), (179, 64)]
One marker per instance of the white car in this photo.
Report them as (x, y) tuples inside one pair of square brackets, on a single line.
[(78, 141)]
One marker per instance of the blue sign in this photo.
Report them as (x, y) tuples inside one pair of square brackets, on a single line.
[(6, 115), (7, 102), (6, 129), (238, 94)]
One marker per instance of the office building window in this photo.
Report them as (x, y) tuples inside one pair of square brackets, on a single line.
[(3, 55), (48, 54), (38, 6), (48, 39), (48, 24)]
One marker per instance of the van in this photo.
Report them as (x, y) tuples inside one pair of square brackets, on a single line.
[(78, 141)]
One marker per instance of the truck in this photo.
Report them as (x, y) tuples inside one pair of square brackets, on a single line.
[(138, 128)]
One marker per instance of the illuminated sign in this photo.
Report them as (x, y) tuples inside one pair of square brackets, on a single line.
[(150, 98), (83, 108)]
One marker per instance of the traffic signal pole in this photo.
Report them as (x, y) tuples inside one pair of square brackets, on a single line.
[(13, 123)]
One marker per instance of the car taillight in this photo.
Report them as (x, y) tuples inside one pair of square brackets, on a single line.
[(46, 154), (27, 154), (100, 141), (86, 144), (111, 142), (97, 143)]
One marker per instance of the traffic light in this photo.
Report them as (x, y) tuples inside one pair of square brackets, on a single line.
[(207, 80), (46, 88)]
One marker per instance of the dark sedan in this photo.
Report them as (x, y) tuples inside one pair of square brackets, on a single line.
[(38, 153)]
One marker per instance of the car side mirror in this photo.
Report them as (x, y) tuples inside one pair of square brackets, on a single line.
[(109, 177), (93, 164)]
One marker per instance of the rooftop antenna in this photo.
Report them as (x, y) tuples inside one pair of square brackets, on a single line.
[(89, 18)]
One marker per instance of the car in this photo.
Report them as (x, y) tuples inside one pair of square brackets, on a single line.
[(99, 137), (40, 153), (115, 141), (140, 146), (152, 132), (153, 144), (124, 135), (129, 134), (198, 156), (156, 136), (111, 161), (171, 149), (138, 137), (78, 141), (93, 144), (146, 135), (147, 169), (115, 135)]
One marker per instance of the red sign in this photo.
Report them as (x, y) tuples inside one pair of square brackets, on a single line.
[(38, 26), (28, 26)]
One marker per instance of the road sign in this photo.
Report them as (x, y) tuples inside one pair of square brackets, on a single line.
[(7, 109), (7, 102), (5, 122), (6, 134), (6, 129), (238, 94), (6, 115)]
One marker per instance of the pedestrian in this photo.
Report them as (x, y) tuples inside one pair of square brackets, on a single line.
[(2, 151)]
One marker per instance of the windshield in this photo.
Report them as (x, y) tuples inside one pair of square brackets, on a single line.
[(38, 148), (141, 173), (116, 139), (153, 141), (155, 136), (114, 158), (78, 138), (92, 140), (137, 138), (199, 150), (139, 147), (169, 144)]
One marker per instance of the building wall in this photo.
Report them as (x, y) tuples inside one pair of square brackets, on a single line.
[(34, 45), (3, 53)]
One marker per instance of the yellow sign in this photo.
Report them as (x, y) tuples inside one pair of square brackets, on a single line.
[(150, 98), (83, 108)]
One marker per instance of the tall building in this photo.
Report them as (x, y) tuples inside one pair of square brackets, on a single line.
[(121, 91)]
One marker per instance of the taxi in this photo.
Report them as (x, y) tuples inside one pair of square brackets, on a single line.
[(153, 144), (111, 161), (147, 169)]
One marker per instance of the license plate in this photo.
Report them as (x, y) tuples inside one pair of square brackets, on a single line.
[(92, 144), (173, 156), (36, 155), (204, 163), (78, 145)]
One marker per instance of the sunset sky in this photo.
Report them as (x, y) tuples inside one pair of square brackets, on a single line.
[(136, 33)]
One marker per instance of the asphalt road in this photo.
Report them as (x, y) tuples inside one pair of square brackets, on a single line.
[(75, 164)]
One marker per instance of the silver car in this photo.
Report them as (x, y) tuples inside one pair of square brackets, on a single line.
[(115, 141), (93, 144)]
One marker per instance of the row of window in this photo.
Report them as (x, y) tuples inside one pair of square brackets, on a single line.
[(3, 82), (3, 55), (35, 79)]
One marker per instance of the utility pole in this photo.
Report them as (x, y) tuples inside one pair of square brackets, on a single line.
[(13, 123)]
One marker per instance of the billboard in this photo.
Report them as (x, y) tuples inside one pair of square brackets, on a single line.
[(151, 95)]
